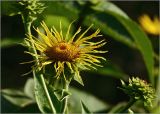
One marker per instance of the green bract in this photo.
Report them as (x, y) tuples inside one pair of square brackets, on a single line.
[(139, 90), (31, 8)]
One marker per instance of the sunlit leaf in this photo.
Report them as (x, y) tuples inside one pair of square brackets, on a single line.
[(16, 97), (30, 108), (65, 22), (56, 102), (85, 109), (113, 71), (117, 107), (7, 42), (56, 96), (103, 5), (41, 97), (78, 78), (109, 26), (142, 41), (91, 101), (62, 8), (7, 106), (29, 88), (130, 111), (61, 94)]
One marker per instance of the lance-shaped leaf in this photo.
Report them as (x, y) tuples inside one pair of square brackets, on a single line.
[(84, 108), (45, 97)]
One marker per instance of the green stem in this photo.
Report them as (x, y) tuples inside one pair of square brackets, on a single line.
[(47, 94), (28, 31), (65, 101), (130, 103), (27, 26)]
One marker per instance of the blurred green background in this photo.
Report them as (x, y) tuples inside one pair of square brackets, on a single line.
[(122, 60)]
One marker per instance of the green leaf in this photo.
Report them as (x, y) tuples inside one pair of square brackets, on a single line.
[(45, 97), (108, 6), (40, 96), (9, 8), (78, 78), (109, 26), (117, 107), (142, 41), (61, 8), (56, 101), (16, 97), (61, 94), (14, 100), (7, 42), (49, 21), (112, 70), (31, 108), (130, 111), (29, 88), (65, 22), (93, 103), (85, 109), (7, 106)]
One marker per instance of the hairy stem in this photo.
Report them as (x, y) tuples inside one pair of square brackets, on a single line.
[(28, 32), (27, 26), (130, 103)]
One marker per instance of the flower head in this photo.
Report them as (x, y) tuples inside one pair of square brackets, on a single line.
[(139, 90), (150, 26), (73, 53)]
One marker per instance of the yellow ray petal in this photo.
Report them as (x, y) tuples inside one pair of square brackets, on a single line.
[(84, 33), (49, 34), (87, 38), (77, 32)]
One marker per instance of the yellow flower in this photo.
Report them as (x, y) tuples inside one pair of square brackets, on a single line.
[(150, 26), (73, 53)]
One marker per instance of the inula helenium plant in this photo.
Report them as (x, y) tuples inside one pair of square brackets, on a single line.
[(63, 54)]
